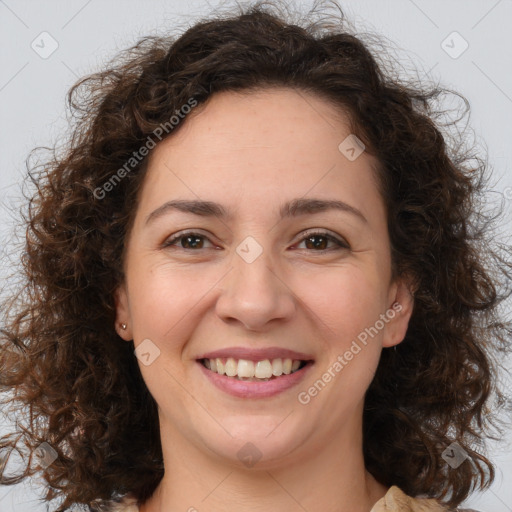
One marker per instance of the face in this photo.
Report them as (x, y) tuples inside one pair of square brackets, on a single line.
[(252, 280)]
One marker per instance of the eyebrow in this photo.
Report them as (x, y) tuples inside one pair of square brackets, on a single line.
[(293, 208)]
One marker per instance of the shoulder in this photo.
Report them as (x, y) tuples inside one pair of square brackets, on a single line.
[(127, 504), (396, 500)]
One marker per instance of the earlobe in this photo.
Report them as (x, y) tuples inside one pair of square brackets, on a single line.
[(122, 325), (400, 312)]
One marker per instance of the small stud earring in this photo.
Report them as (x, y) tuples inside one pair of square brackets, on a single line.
[(123, 326)]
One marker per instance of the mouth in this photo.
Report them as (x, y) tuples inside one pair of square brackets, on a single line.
[(254, 379), (254, 371)]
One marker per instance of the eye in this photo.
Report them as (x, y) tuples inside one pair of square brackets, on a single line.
[(319, 239), (189, 240)]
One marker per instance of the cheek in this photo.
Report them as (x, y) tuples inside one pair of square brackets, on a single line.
[(345, 299), (161, 298), (346, 303)]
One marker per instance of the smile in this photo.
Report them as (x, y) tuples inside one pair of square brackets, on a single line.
[(247, 379), (243, 369)]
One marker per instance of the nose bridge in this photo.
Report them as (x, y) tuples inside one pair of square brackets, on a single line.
[(254, 293)]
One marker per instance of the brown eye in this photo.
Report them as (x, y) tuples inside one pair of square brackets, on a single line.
[(318, 241), (188, 240)]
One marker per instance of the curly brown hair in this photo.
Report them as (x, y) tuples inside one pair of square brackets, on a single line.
[(61, 356)]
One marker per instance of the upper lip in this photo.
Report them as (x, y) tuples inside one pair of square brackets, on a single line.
[(254, 354)]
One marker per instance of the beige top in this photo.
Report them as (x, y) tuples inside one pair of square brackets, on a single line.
[(395, 500)]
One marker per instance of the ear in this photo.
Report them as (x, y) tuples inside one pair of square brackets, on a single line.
[(401, 303), (123, 313)]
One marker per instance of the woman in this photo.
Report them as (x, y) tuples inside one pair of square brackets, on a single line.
[(258, 280)]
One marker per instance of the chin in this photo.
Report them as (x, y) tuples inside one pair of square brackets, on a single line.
[(265, 446)]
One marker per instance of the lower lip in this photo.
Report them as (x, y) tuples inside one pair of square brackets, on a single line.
[(254, 389)]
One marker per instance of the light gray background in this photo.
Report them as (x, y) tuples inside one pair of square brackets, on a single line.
[(32, 92)]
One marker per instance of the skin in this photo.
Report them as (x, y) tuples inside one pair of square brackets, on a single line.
[(251, 153)]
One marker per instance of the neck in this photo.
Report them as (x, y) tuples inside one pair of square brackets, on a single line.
[(330, 477)]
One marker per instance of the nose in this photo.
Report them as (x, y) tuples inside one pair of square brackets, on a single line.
[(255, 295)]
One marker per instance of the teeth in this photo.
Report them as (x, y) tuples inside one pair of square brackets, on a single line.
[(245, 369), (277, 367), (263, 369), (231, 367)]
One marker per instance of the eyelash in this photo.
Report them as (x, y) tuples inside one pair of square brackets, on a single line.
[(342, 245)]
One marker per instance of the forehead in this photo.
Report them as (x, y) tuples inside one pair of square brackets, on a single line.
[(272, 113), (249, 144)]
